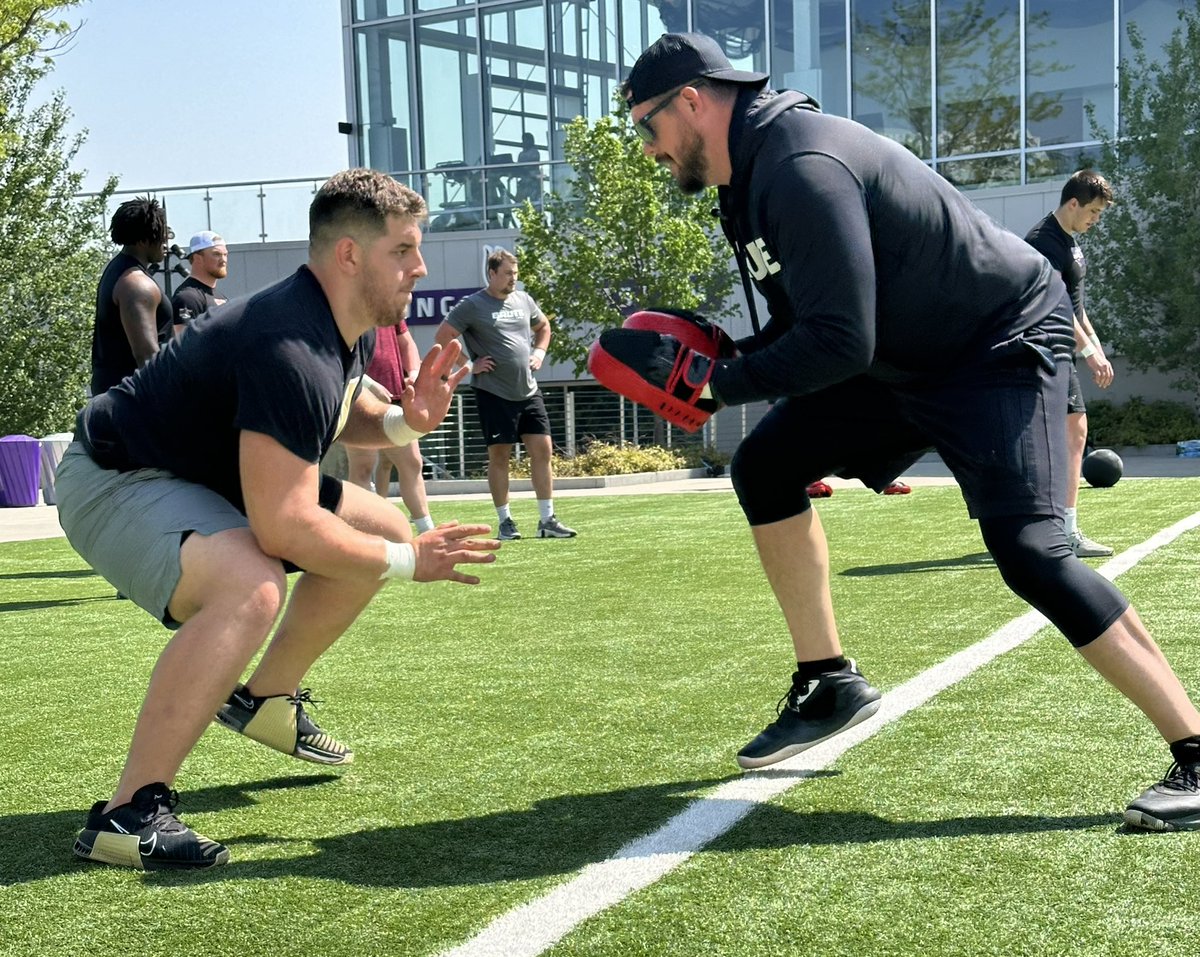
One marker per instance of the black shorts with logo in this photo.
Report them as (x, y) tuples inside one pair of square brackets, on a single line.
[(505, 421), (1075, 403)]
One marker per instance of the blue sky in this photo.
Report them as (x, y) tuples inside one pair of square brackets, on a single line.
[(219, 91)]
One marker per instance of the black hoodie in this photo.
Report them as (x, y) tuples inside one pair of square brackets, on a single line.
[(869, 261)]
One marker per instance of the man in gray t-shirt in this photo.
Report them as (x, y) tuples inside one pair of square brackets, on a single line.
[(506, 336)]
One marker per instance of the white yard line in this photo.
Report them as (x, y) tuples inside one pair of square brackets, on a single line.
[(534, 927)]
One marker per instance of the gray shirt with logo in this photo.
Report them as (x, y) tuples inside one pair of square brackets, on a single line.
[(502, 329)]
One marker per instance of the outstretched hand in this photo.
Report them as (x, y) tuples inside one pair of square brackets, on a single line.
[(439, 550), (427, 399)]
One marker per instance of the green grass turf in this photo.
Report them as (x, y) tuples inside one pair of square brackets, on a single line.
[(507, 735)]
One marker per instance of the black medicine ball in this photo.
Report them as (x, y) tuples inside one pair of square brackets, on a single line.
[(1102, 468)]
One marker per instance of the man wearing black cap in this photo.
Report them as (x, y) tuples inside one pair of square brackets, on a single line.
[(900, 318), (197, 294)]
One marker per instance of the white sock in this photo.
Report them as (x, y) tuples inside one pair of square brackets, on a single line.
[(424, 524), (503, 512), (1069, 521), (545, 508)]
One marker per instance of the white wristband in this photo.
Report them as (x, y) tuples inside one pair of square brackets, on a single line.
[(539, 354), (1088, 350), (402, 561), (397, 430)]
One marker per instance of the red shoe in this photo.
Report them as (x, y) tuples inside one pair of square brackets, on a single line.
[(897, 488), (819, 490)]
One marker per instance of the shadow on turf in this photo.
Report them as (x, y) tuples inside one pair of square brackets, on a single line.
[(37, 846), (974, 560), (563, 834), (50, 603), (46, 573)]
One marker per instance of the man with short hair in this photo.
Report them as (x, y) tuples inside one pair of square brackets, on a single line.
[(197, 294), (198, 516), (1084, 198), (507, 336), (133, 319), (901, 317)]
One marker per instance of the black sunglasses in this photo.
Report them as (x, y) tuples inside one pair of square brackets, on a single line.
[(643, 127)]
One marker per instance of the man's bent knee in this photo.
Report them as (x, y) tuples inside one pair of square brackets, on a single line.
[(228, 570)]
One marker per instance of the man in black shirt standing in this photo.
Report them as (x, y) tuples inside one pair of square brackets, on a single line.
[(901, 317), (133, 319), (198, 293), (1085, 197), (199, 515)]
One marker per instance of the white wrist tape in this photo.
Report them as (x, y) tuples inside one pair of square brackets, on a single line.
[(397, 430), (539, 354), (1087, 351), (402, 561)]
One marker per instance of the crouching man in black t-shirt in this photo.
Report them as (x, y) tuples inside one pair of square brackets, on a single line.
[(198, 516)]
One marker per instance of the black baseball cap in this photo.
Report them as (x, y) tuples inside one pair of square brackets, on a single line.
[(676, 59)]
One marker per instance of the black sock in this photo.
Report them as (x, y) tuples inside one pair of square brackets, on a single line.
[(810, 669), (1186, 750)]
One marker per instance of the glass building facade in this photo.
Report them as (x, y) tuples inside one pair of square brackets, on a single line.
[(468, 102)]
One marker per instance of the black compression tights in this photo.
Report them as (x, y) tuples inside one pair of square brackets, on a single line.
[(1037, 563)]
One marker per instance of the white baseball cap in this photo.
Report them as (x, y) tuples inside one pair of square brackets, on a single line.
[(204, 240)]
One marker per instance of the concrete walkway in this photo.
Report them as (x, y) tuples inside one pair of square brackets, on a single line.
[(41, 521)]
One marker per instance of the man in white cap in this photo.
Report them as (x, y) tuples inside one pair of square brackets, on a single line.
[(198, 293)]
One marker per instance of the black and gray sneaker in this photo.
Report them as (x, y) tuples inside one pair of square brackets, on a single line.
[(1084, 547), (508, 531), (280, 722), (552, 528), (146, 835), (1173, 804), (811, 712)]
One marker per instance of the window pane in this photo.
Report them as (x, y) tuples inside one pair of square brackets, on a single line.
[(1155, 20), (808, 51), (1057, 165), (891, 71), (985, 171), (438, 4), (514, 71), (583, 57), (378, 9), (451, 121), (384, 119), (978, 75), (738, 26), (642, 23), (1069, 64)]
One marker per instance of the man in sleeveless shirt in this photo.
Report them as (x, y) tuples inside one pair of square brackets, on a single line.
[(133, 318)]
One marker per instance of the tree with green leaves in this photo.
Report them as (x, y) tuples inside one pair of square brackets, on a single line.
[(619, 238), (1146, 276), (52, 245)]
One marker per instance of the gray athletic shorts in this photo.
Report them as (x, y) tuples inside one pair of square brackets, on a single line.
[(129, 526)]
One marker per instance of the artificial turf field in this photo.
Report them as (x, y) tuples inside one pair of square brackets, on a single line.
[(510, 734)]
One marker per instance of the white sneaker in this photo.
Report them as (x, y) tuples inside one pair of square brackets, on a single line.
[(1084, 547)]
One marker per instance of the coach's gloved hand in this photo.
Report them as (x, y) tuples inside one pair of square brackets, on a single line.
[(657, 371)]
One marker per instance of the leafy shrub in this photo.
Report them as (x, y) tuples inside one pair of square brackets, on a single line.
[(1139, 423), (603, 459)]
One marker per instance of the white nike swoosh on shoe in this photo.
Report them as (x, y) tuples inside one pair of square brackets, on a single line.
[(153, 842), (117, 827), (808, 692)]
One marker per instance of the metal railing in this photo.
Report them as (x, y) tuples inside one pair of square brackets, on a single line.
[(460, 197)]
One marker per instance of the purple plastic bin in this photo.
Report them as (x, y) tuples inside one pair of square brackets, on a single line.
[(20, 469)]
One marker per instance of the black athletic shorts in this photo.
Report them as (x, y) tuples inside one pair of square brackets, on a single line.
[(998, 424), (505, 421), (1075, 403)]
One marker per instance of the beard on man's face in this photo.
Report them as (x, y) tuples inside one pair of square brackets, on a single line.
[(692, 175)]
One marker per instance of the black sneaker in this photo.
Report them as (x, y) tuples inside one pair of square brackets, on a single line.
[(811, 712), (146, 835), (280, 722), (1173, 804)]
